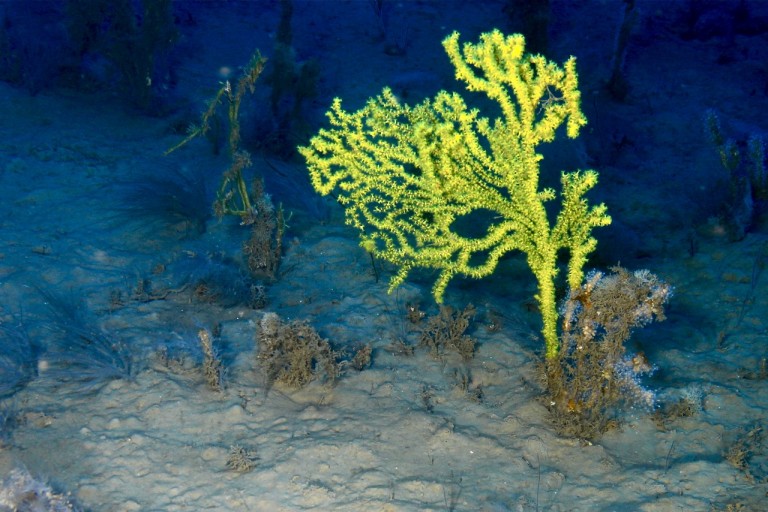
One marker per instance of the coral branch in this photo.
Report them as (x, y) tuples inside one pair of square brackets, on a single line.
[(408, 175)]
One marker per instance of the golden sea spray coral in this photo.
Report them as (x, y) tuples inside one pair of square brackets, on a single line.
[(406, 175)]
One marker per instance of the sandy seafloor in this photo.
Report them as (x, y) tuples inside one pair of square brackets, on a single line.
[(160, 440)]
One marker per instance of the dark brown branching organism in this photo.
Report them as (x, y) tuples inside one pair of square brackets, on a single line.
[(684, 407), (213, 370), (293, 353), (445, 331), (264, 248), (257, 296), (743, 449), (362, 358), (592, 375), (254, 207), (413, 313), (232, 197), (241, 460)]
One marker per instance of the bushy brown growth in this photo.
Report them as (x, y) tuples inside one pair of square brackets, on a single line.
[(264, 248), (740, 452), (213, 370), (241, 459), (293, 353), (592, 375), (362, 358), (446, 331)]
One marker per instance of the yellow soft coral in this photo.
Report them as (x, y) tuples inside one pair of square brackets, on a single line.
[(408, 176)]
